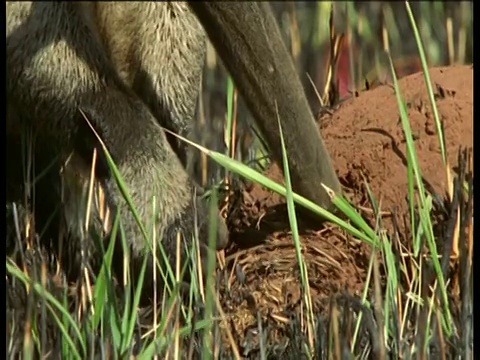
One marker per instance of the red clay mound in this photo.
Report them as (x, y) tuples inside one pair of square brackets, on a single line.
[(365, 135), (365, 138)]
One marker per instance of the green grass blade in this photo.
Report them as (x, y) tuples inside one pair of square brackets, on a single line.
[(426, 222), (104, 279), (230, 96), (428, 83), (296, 238), (130, 320), (248, 173)]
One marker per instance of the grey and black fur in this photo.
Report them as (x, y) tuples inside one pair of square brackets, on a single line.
[(133, 68)]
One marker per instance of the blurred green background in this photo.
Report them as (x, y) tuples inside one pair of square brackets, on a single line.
[(367, 29)]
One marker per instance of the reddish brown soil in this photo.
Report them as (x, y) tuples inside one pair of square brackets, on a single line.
[(365, 138)]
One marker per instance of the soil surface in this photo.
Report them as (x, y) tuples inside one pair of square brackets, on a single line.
[(365, 138)]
